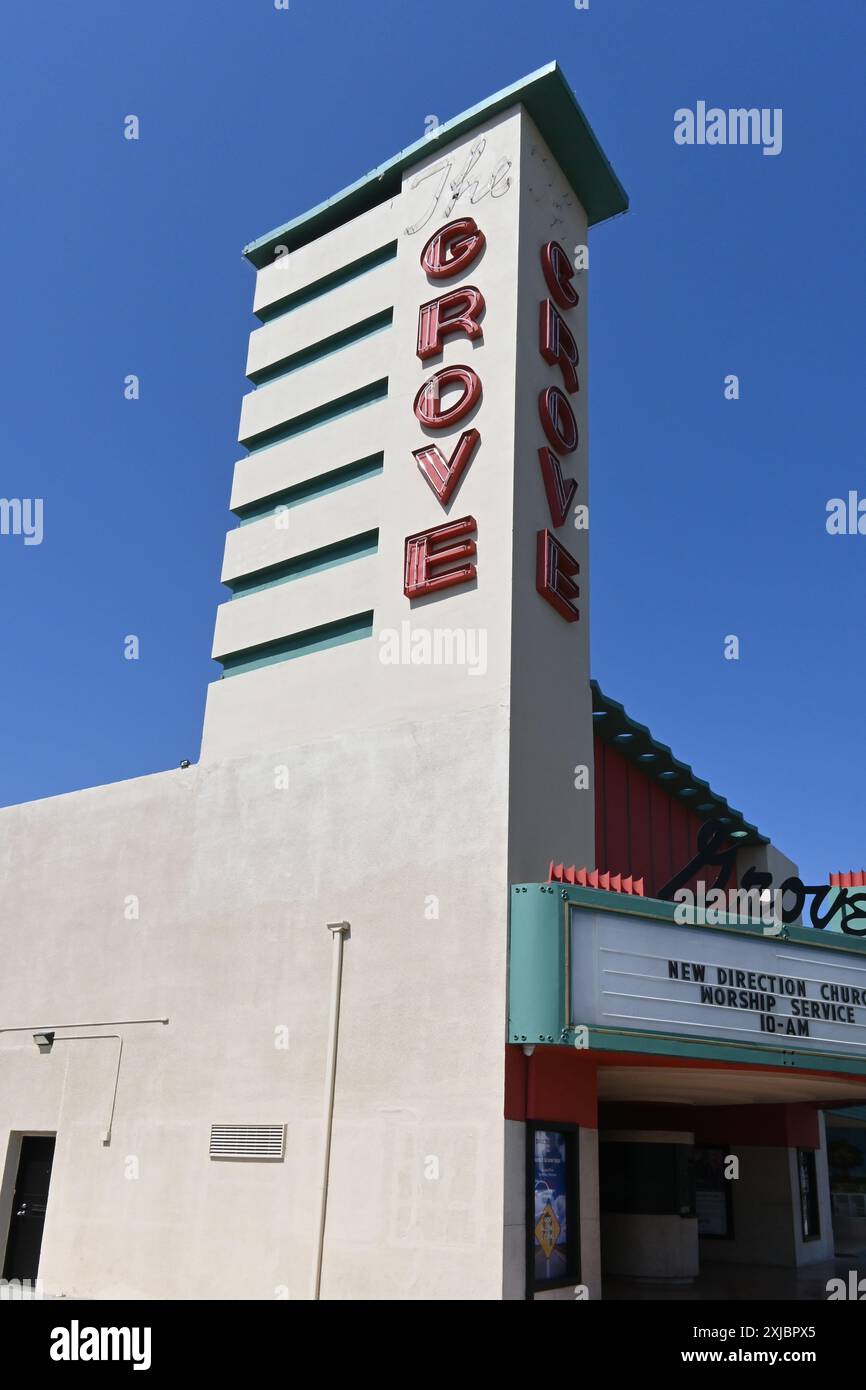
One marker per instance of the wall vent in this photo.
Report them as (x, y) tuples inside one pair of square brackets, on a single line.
[(248, 1141)]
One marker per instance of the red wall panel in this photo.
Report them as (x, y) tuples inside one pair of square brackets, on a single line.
[(639, 820), (616, 812), (660, 834), (599, 754), (640, 827)]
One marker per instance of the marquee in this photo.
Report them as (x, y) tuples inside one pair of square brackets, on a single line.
[(602, 970), (700, 982)]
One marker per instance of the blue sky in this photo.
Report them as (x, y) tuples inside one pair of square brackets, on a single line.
[(707, 515)]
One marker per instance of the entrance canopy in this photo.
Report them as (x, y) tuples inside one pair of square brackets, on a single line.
[(708, 1086)]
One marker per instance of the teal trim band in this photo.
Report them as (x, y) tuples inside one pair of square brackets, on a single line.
[(717, 1049), (353, 271), (319, 486), (322, 415), (325, 558), (376, 323), (537, 966), (315, 639), (547, 97)]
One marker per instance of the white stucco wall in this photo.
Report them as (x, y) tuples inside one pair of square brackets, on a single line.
[(237, 880)]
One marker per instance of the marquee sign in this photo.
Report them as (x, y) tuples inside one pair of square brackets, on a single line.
[(628, 974), (714, 850)]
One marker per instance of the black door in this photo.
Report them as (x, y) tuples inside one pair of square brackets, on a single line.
[(28, 1208)]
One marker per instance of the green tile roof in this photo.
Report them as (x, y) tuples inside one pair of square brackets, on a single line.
[(635, 742), (553, 107)]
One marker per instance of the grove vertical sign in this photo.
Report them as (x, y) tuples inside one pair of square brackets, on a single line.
[(444, 556), (555, 569)]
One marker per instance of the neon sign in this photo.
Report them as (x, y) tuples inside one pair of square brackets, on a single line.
[(712, 852), (555, 569)]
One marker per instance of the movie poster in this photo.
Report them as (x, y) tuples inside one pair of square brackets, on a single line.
[(551, 1205)]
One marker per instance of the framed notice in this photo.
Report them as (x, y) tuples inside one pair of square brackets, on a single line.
[(713, 1197), (552, 1220)]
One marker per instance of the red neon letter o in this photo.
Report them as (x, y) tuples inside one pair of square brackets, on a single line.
[(428, 402), (557, 420)]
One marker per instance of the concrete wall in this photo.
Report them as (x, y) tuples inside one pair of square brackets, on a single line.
[(551, 701), (349, 687), (766, 1211), (236, 880)]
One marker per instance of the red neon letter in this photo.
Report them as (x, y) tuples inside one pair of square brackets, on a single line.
[(560, 491), (554, 568), (443, 474), (455, 312), (452, 249), (557, 345), (558, 274), (557, 420), (428, 403), (420, 558)]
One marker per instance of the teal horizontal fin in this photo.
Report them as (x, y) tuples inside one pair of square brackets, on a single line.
[(315, 639)]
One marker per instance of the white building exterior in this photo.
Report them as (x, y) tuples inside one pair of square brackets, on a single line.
[(171, 931), (331, 786)]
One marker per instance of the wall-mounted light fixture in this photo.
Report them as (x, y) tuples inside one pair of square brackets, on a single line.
[(44, 1039)]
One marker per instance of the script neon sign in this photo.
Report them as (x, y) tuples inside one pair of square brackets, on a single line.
[(713, 852)]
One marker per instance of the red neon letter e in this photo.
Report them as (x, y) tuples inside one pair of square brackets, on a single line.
[(554, 568), (421, 558)]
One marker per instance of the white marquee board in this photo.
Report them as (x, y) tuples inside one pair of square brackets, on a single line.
[(629, 973)]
